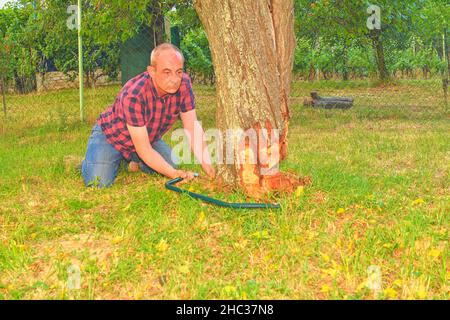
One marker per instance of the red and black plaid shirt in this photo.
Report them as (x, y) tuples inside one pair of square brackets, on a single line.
[(138, 104)]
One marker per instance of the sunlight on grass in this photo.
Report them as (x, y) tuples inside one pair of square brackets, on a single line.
[(379, 197)]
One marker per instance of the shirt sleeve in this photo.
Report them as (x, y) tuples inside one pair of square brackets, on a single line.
[(134, 110), (188, 99)]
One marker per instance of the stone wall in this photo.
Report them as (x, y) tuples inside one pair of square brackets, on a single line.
[(58, 80)]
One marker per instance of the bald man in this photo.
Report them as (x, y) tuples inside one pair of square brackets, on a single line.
[(145, 109)]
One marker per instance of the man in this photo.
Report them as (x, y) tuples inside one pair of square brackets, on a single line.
[(145, 109)]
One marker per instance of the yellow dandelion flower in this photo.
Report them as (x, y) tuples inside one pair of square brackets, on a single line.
[(325, 257), (418, 201), (361, 286), (162, 246), (299, 192), (325, 288), (422, 293), (390, 293), (397, 283), (435, 253)]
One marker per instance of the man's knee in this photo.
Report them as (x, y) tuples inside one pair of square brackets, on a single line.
[(100, 175)]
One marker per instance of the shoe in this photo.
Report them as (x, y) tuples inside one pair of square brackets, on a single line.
[(133, 166)]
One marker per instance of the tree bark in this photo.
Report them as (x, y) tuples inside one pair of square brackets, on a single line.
[(252, 45)]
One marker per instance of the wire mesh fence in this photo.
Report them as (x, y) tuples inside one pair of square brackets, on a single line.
[(390, 61)]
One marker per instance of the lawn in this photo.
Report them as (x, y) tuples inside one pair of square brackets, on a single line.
[(379, 200)]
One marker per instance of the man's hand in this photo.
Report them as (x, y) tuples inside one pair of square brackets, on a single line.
[(209, 170), (186, 175)]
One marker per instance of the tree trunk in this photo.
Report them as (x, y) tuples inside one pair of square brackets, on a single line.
[(345, 73), (445, 56), (32, 85), (379, 53), (87, 79), (312, 73), (158, 23), (425, 72), (252, 45)]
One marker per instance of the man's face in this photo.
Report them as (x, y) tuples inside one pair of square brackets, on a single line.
[(167, 72)]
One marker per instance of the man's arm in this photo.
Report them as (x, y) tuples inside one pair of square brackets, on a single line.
[(197, 141), (151, 157)]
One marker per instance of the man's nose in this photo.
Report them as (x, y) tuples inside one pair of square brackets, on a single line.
[(174, 79)]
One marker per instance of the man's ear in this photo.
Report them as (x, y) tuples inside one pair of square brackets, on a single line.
[(151, 70)]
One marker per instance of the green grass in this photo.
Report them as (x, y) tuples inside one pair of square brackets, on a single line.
[(379, 197)]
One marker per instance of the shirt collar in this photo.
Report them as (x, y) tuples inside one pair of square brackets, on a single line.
[(151, 84)]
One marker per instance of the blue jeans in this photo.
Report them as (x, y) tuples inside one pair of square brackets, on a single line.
[(101, 163)]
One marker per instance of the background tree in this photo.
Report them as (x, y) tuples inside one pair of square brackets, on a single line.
[(42, 38), (5, 67), (345, 23), (432, 25), (60, 44), (17, 26), (194, 43)]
